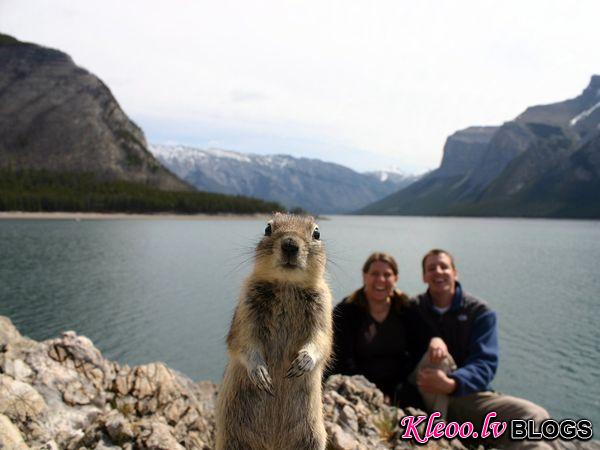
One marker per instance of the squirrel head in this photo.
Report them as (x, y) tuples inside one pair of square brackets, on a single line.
[(291, 250)]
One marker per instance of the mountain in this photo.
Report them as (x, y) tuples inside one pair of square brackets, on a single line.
[(544, 163), (464, 150), (66, 144), (311, 184), (58, 117)]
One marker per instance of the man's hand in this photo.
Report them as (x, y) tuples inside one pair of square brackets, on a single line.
[(437, 350), (435, 381)]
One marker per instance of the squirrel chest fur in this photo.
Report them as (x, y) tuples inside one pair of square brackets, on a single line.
[(278, 345)]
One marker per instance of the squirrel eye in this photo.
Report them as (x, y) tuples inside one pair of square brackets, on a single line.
[(316, 234), (268, 230)]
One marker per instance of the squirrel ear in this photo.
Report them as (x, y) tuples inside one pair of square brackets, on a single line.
[(268, 229)]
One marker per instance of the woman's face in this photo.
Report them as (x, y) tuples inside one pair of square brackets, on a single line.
[(379, 281)]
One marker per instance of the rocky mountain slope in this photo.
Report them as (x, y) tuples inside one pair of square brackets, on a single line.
[(311, 184), (544, 163), (59, 117), (464, 150)]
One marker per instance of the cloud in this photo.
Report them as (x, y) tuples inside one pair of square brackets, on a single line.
[(245, 96), (387, 78)]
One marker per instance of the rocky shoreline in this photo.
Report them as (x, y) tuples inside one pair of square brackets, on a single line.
[(63, 394)]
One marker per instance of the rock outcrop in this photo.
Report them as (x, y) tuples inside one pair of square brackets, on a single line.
[(464, 150), (58, 117), (63, 394)]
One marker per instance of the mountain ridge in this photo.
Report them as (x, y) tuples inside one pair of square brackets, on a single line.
[(521, 156), (311, 184)]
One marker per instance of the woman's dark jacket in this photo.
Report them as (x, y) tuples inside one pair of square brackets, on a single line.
[(379, 351)]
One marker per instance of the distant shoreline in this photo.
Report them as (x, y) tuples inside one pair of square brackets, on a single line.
[(78, 216)]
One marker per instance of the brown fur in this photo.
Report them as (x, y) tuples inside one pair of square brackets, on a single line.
[(278, 344)]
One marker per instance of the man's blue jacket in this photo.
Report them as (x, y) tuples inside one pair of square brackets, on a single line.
[(469, 330)]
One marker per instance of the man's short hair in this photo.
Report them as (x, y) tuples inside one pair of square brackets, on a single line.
[(437, 252), (383, 257)]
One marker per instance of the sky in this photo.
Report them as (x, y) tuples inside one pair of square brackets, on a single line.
[(367, 84)]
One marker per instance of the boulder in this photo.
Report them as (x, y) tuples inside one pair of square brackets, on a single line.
[(10, 436)]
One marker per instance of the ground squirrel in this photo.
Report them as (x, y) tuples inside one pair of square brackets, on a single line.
[(278, 344)]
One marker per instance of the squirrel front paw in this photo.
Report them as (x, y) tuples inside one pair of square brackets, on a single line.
[(259, 375), (303, 363)]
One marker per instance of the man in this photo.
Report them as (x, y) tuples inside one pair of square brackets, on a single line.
[(457, 369)]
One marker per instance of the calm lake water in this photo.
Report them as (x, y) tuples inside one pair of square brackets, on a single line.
[(147, 290)]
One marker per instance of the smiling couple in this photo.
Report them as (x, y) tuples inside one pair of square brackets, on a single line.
[(438, 351)]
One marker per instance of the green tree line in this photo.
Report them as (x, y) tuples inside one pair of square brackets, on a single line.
[(34, 190)]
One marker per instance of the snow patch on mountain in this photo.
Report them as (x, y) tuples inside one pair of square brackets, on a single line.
[(314, 185), (584, 114)]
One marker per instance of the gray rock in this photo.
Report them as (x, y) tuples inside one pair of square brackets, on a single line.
[(118, 428), (20, 401), (340, 440), (103, 444), (348, 417), (156, 435), (50, 445), (8, 332), (18, 369), (80, 399), (10, 436)]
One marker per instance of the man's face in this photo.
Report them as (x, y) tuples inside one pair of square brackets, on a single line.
[(439, 274)]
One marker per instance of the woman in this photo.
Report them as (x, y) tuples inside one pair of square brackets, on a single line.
[(370, 329)]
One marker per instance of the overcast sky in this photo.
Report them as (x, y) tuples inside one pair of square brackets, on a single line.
[(367, 84)]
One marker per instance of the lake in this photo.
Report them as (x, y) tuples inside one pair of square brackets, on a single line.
[(148, 290)]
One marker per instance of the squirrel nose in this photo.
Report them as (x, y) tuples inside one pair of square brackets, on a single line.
[(289, 247)]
